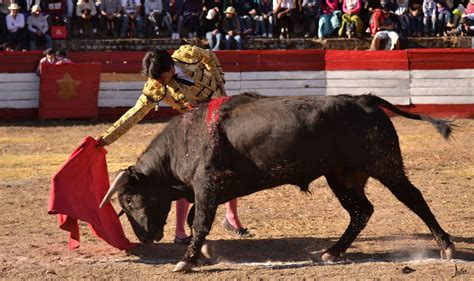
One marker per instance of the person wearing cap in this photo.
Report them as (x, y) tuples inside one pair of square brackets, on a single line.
[(38, 28), (231, 28), (212, 27), (182, 80), (16, 33), (86, 11), (49, 57)]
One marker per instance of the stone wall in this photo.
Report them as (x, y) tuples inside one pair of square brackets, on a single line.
[(261, 44)]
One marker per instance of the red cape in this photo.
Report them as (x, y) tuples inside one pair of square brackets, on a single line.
[(76, 192)]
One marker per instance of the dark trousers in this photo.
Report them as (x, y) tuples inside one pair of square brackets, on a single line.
[(18, 39)]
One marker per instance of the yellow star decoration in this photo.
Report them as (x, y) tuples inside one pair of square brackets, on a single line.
[(68, 86)]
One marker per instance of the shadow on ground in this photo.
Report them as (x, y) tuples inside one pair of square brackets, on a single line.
[(293, 250)]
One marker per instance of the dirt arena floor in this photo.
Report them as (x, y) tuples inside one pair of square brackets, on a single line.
[(289, 227)]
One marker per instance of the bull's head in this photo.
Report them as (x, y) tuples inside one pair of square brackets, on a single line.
[(146, 209)]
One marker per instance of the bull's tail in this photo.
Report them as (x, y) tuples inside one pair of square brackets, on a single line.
[(444, 127)]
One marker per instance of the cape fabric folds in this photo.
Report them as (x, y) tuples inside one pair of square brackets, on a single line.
[(76, 192)]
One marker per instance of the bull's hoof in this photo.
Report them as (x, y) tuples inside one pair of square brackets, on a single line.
[(448, 253), (328, 257), (207, 251), (183, 266)]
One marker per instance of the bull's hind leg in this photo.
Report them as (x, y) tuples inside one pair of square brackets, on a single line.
[(409, 195), (348, 186)]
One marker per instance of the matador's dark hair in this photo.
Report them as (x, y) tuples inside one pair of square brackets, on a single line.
[(156, 62)]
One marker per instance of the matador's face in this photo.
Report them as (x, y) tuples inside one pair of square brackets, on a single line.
[(165, 77)]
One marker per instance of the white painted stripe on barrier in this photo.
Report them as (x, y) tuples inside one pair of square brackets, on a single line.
[(113, 95), (446, 92), (283, 75), (232, 76), (452, 83), (18, 86), (121, 85), (20, 104), (288, 92), (367, 83), (233, 85), (442, 99), (442, 74), (19, 77), (361, 74), (388, 92), (19, 95), (116, 102), (282, 84)]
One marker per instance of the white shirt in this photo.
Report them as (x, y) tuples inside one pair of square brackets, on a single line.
[(130, 5), (180, 73), (13, 24), (288, 4), (36, 23)]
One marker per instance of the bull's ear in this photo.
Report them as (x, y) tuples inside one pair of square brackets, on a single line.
[(183, 191)]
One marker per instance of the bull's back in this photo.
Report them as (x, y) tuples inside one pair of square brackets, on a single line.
[(305, 133)]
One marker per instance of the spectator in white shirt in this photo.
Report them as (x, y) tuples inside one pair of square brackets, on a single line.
[(86, 12), (16, 33), (132, 21), (154, 14), (38, 29)]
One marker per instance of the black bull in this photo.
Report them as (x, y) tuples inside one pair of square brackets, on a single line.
[(263, 142)]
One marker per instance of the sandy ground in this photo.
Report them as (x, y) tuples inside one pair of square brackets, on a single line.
[(289, 227)]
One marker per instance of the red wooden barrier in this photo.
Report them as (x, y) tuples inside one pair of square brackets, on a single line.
[(69, 91), (366, 60), (19, 62), (441, 59)]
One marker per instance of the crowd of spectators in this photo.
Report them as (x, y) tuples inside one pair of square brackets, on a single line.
[(25, 24)]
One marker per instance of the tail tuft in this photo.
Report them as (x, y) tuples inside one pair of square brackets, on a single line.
[(441, 125)]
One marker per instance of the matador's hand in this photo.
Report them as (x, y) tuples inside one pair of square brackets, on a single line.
[(151, 87)]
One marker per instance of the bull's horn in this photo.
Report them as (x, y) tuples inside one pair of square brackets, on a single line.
[(120, 180)]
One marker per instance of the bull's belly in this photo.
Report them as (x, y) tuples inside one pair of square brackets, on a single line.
[(261, 179)]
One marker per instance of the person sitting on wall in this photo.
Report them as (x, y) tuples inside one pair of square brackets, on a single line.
[(38, 29)]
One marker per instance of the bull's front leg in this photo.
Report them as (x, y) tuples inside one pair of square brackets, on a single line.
[(205, 211)]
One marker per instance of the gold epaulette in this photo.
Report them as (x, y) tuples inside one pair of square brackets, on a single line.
[(188, 54)]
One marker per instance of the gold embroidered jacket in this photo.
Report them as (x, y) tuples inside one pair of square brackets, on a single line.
[(200, 65)]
